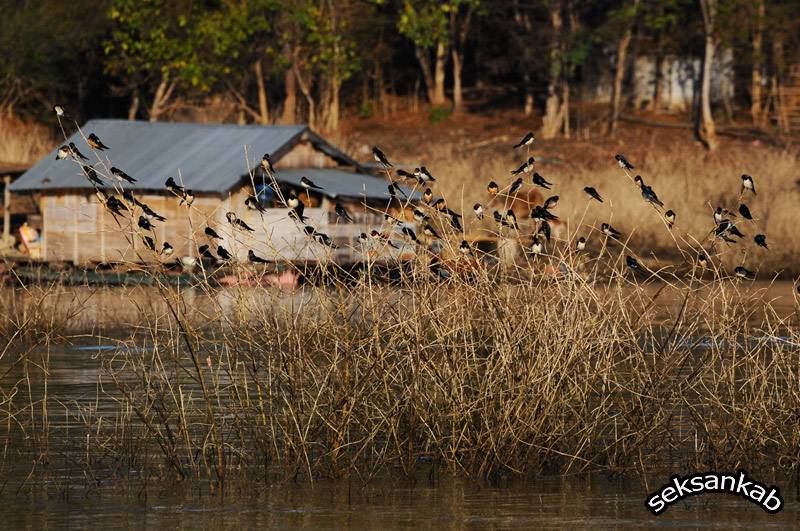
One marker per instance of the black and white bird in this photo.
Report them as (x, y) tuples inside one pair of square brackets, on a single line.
[(325, 240), (499, 219), (62, 153), (420, 217), (550, 202), (761, 241), (92, 175), (741, 272), (669, 215), (650, 196), (633, 263), (167, 249), (623, 162), (342, 213), (306, 183), (253, 257), (580, 245), (380, 238), (94, 141), (173, 187), (211, 233), (266, 163), (61, 112), (511, 219), (427, 196), (409, 233), (638, 181), (144, 224), (378, 155), (430, 232), (747, 182), (188, 198), (516, 185), (150, 215), (478, 209), (121, 175), (721, 213), (464, 248), (526, 141), (205, 253), (149, 243), (493, 188), (539, 214), (253, 204), (525, 168), (537, 246), (538, 180), (115, 206), (544, 228), (745, 212), (223, 253), (592, 193), (608, 230), (423, 175), (238, 223), (73, 149)]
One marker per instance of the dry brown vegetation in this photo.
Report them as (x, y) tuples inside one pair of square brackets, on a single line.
[(23, 142)]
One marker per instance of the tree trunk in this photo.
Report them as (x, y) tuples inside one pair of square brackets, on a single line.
[(290, 87), (438, 92), (427, 72), (162, 96), (553, 109), (708, 130), (619, 75), (755, 74), (134, 108), (523, 23), (458, 101), (306, 90), (263, 110)]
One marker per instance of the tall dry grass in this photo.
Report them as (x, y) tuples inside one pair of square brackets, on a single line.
[(23, 142)]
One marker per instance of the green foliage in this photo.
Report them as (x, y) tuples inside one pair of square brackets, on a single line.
[(366, 110), (439, 114)]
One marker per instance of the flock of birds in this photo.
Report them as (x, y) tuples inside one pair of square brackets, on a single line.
[(424, 212)]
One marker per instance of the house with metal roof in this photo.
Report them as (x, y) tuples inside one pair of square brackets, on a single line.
[(221, 165)]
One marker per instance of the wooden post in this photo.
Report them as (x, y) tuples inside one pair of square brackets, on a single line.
[(6, 207)]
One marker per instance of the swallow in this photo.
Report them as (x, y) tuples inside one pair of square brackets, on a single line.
[(499, 219), (409, 233), (745, 212), (167, 249), (362, 238), (297, 212), (342, 213), (478, 209), (650, 196), (550, 202), (733, 230), (465, 249), (188, 198), (173, 187), (580, 245), (440, 204), (253, 204), (516, 185), (121, 175), (238, 223), (325, 240), (144, 224), (747, 182), (266, 163), (391, 219), (62, 153), (525, 168), (148, 241), (761, 241), (253, 257), (623, 162), (150, 215), (211, 233), (669, 215), (727, 226), (130, 199), (633, 263), (638, 181), (115, 206), (741, 272), (377, 236), (306, 183), (702, 260), (493, 188), (292, 201), (455, 223), (378, 155), (420, 216), (75, 153), (203, 250), (92, 175), (592, 193), (394, 188), (429, 232), (223, 253), (427, 196), (527, 140), (512, 220), (541, 181), (539, 214), (406, 175), (544, 228), (536, 245), (94, 141), (423, 175), (311, 231), (61, 112), (721, 213), (101, 194), (608, 230)]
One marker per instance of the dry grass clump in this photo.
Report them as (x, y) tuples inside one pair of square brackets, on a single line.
[(22, 141)]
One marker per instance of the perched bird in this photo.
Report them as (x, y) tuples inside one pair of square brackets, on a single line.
[(633, 263), (581, 244), (378, 237), (512, 219), (741, 272), (747, 182), (478, 209), (406, 175), (455, 223), (544, 228), (92, 175), (362, 238), (493, 188), (115, 206), (292, 201), (266, 163), (223, 253), (592, 193), (516, 185), (378, 155), (62, 153), (702, 260), (130, 199), (427, 196), (745, 212), (306, 183), (121, 175), (429, 232), (608, 230), (94, 141), (148, 241), (101, 194), (761, 241), (311, 231), (342, 213), (167, 249), (464, 248), (394, 188), (188, 198), (539, 214), (440, 204), (721, 213), (409, 233), (61, 112), (173, 187), (203, 250), (623, 162), (144, 224), (536, 245), (550, 202), (238, 223), (253, 257), (541, 181), (669, 215), (525, 168), (423, 174), (650, 196), (253, 204), (325, 240), (526, 141), (75, 153), (638, 181), (150, 215), (211, 233), (499, 219), (420, 216), (391, 219)]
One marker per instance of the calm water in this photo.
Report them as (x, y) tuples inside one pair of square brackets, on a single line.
[(447, 502)]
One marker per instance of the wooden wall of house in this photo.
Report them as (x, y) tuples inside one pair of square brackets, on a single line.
[(305, 156)]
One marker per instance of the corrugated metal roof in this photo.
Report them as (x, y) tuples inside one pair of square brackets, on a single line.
[(210, 157), (339, 183)]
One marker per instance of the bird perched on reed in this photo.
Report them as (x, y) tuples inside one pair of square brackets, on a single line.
[(526, 141), (525, 168), (94, 141), (623, 162), (238, 223), (73, 149), (378, 155), (747, 183), (538, 180), (477, 208), (592, 193), (121, 175), (342, 213)]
